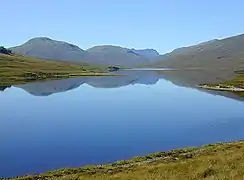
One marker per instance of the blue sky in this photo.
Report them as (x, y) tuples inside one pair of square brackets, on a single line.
[(160, 24)]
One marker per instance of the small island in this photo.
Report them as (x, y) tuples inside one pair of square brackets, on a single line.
[(113, 68), (221, 87)]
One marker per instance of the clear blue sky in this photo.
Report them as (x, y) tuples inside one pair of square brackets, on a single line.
[(160, 24)]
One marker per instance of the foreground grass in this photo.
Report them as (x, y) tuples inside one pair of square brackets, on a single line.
[(16, 69), (218, 161)]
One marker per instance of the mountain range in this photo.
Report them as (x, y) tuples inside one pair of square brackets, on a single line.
[(46, 48), (223, 53)]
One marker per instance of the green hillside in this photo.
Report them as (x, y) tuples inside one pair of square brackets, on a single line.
[(16, 69)]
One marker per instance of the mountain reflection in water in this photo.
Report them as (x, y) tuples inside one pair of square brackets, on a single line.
[(56, 86), (129, 77)]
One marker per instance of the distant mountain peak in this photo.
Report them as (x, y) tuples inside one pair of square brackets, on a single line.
[(39, 39), (102, 48), (47, 40), (44, 38)]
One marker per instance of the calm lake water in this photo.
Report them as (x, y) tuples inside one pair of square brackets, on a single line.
[(76, 122)]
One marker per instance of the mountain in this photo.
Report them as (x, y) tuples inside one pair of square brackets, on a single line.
[(224, 53), (209, 62), (46, 48), (214, 54), (116, 55)]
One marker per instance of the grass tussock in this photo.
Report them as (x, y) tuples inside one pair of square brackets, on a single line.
[(219, 161)]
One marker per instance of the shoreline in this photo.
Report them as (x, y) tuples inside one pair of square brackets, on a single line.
[(8, 81), (218, 88), (217, 151)]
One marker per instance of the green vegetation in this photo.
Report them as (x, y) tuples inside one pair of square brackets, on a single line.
[(218, 161), (237, 82), (235, 85), (17, 69)]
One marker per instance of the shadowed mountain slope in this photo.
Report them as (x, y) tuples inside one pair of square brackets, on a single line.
[(215, 54)]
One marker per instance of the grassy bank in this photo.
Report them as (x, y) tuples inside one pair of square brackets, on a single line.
[(237, 82), (17, 69), (218, 161), (235, 85)]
